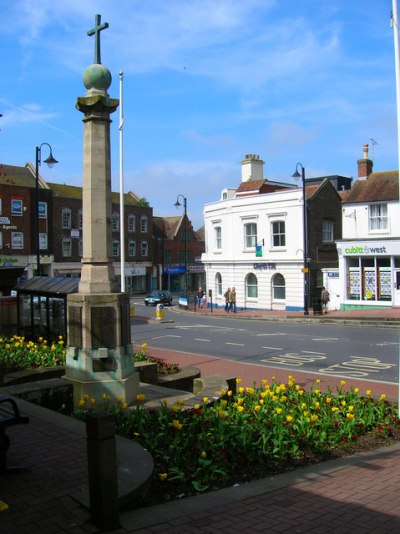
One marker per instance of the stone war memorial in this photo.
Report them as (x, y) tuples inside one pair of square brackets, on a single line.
[(99, 353)]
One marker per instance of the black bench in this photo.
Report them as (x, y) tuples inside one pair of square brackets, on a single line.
[(9, 416)]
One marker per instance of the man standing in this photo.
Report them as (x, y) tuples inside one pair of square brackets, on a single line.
[(200, 295), (324, 299), (232, 300)]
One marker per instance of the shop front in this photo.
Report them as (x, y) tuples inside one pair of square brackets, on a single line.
[(369, 273)]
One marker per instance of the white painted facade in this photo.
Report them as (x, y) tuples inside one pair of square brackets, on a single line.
[(273, 281), (369, 257)]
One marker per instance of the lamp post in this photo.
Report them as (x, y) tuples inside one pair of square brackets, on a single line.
[(177, 205), (50, 161), (297, 175)]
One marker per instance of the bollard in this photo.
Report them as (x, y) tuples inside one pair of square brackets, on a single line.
[(102, 468), (159, 312)]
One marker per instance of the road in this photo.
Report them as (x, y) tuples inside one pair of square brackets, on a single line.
[(330, 349)]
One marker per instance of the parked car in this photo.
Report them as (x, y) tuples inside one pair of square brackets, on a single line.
[(158, 297)]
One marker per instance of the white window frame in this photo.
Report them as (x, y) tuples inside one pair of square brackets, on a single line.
[(17, 240), (131, 248), (250, 238), (66, 247), (131, 223), (327, 231), (66, 218), (278, 234), (144, 248), (17, 206), (218, 284), (115, 248), (42, 210), (43, 241), (115, 222), (80, 219), (143, 224), (378, 217), (218, 237), (251, 286)]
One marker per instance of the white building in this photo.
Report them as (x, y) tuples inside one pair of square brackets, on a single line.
[(254, 242), (369, 251)]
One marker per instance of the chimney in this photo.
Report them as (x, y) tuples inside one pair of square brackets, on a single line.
[(252, 168), (364, 165)]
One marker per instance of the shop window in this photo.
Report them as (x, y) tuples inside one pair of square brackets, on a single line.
[(218, 284), (251, 286), (278, 287)]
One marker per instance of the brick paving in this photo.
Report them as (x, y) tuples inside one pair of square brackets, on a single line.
[(358, 494)]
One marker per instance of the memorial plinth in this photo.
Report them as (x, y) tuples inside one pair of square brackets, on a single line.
[(99, 353)]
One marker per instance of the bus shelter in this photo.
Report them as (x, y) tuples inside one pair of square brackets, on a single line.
[(42, 306)]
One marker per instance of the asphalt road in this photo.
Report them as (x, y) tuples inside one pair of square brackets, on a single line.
[(331, 349)]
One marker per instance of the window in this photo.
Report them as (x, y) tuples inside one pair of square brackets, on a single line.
[(218, 284), (80, 248), (16, 206), (218, 237), (115, 222), (278, 234), (184, 256), (1, 205), (115, 248), (167, 256), (42, 209), (42, 241), (66, 218), (278, 287), (327, 231), (80, 219), (250, 235), (1, 240), (251, 286), (144, 248), (143, 225), (132, 248), (66, 248), (378, 219), (131, 223), (17, 240)]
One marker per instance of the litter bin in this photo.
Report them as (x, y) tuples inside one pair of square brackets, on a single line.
[(317, 306)]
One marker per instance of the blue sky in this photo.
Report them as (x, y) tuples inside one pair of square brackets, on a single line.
[(205, 82)]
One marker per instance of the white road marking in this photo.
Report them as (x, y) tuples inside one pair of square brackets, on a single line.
[(236, 344), (200, 339), (167, 335), (272, 348)]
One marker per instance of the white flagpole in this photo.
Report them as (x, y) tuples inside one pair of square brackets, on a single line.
[(121, 185), (395, 25)]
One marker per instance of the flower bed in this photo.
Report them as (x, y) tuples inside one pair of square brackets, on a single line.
[(257, 432)]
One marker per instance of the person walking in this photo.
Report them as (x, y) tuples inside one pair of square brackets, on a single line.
[(226, 295), (200, 295), (232, 300), (325, 297)]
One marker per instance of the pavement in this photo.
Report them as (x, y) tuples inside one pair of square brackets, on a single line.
[(357, 494)]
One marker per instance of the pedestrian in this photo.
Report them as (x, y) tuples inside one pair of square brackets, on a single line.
[(324, 299), (200, 295), (232, 300), (226, 295)]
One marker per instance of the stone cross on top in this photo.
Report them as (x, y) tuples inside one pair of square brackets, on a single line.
[(96, 32)]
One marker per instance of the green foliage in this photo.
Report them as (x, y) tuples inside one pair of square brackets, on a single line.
[(242, 436)]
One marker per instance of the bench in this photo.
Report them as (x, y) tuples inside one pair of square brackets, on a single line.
[(9, 416)]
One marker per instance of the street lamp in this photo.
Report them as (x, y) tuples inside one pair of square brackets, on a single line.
[(297, 175), (50, 161), (177, 205)]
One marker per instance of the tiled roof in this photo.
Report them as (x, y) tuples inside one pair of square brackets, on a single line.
[(379, 186), (250, 186), (19, 176), (65, 191)]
